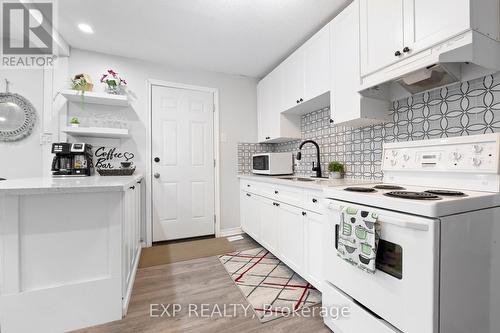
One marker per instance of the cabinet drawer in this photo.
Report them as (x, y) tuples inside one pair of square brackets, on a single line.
[(359, 319), (288, 194), (312, 201), (252, 187)]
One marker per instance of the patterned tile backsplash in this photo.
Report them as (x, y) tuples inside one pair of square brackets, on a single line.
[(462, 109)]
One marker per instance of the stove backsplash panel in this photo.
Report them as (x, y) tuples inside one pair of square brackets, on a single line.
[(466, 108)]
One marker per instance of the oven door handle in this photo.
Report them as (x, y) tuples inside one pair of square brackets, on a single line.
[(408, 224)]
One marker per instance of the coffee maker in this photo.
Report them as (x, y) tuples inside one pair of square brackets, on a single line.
[(72, 159)]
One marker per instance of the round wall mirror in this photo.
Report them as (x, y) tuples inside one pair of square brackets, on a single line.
[(17, 117)]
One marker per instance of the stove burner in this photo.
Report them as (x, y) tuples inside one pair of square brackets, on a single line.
[(446, 193), (412, 195), (359, 189), (388, 187)]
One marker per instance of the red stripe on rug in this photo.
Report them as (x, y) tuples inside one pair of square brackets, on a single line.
[(243, 256), (272, 310), (249, 268), (308, 286), (301, 298)]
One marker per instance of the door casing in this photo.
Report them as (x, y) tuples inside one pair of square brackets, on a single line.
[(148, 241)]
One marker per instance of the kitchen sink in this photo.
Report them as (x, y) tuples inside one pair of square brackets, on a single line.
[(301, 179)]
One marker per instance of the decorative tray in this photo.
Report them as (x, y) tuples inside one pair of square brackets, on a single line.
[(116, 172)]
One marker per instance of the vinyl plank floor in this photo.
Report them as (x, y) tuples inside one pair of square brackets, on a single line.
[(197, 281)]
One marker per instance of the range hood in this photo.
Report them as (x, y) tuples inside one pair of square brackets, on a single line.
[(463, 58), (430, 77)]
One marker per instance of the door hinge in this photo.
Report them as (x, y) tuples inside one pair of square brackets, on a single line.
[(215, 218), (215, 163), (213, 108)]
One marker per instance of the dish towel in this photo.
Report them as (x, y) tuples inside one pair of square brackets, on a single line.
[(358, 238)]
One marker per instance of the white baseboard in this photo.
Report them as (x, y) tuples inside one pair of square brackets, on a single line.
[(230, 232)]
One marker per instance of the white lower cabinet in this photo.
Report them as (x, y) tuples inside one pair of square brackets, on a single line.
[(250, 215), (131, 239), (291, 236), (313, 225), (285, 225), (268, 214)]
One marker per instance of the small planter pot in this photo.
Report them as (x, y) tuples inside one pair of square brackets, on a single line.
[(335, 175), (75, 125)]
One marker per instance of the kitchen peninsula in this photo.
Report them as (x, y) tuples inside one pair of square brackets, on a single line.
[(69, 251)]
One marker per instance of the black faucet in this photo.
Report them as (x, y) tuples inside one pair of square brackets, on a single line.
[(315, 168)]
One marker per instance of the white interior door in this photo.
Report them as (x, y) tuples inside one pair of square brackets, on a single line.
[(183, 163)]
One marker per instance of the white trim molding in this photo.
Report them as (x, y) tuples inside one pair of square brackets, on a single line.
[(149, 200), (230, 232)]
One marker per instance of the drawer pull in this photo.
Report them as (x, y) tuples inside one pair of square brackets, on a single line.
[(276, 204), (304, 213), (314, 200), (276, 192), (249, 195), (248, 185)]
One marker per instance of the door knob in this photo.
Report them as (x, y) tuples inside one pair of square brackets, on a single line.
[(157, 175), (157, 159)]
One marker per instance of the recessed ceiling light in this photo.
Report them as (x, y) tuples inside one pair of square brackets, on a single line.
[(3, 119), (86, 28)]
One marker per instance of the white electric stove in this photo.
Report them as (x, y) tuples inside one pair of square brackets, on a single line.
[(438, 260)]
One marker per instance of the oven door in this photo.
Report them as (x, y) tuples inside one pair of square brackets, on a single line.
[(260, 164), (403, 291)]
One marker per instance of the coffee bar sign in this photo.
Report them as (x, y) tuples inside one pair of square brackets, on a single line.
[(112, 158)]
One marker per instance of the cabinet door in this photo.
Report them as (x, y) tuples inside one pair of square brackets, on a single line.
[(345, 99), (381, 23), (269, 224), (291, 236), (425, 25), (269, 106), (264, 109), (317, 64), (314, 248), (293, 79), (250, 216)]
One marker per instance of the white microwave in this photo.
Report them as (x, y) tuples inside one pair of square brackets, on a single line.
[(272, 164)]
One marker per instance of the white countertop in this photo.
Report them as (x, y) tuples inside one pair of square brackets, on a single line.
[(48, 185), (317, 184)]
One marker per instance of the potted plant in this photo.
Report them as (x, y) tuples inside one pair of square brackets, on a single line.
[(82, 83), (114, 84), (74, 122), (336, 169)]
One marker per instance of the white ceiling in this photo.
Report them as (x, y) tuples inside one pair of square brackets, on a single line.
[(244, 37)]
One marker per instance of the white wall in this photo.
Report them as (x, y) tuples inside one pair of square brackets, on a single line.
[(27, 157), (237, 98)]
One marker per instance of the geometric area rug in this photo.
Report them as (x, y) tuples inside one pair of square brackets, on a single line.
[(272, 288)]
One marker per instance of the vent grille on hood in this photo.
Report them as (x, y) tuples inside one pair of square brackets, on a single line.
[(430, 77)]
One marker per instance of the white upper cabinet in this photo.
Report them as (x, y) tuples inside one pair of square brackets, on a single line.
[(394, 30), (381, 24), (293, 79), (425, 25), (297, 86), (347, 105), (269, 104), (316, 63)]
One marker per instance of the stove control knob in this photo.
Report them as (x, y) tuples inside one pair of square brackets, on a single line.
[(456, 156), (406, 157), (477, 149), (394, 162), (476, 161), (394, 153)]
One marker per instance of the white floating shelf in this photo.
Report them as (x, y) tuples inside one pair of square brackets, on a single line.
[(97, 132), (95, 98)]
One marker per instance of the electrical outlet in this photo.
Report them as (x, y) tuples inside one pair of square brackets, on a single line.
[(45, 138)]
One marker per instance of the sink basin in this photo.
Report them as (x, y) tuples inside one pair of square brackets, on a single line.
[(299, 179)]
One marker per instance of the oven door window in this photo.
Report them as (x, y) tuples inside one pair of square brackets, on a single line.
[(390, 258), (261, 162)]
